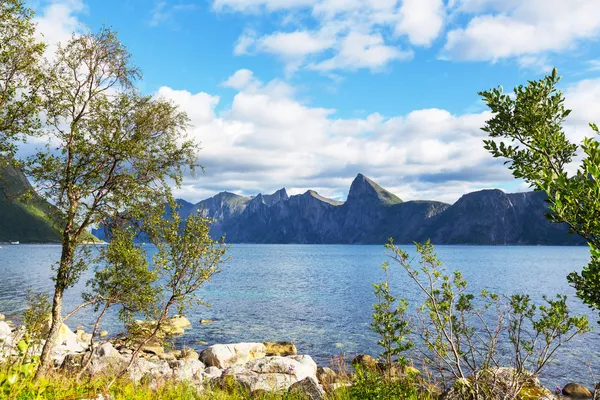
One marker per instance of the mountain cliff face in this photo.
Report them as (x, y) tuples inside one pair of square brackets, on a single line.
[(371, 214), (33, 220)]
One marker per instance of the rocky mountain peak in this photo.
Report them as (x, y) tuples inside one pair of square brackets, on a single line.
[(364, 190)]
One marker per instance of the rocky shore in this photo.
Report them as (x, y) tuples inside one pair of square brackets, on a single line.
[(257, 367)]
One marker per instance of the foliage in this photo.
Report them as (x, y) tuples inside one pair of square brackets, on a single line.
[(371, 384), (186, 258), (20, 54), (527, 130), (391, 324), (124, 277), (465, 336), (110, 149)]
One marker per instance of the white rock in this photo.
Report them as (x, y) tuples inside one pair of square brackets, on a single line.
[(143, 368), (254, 381), (309, 389), (307, 361), (282, 365), (212, 373), (272, 373), (4, 330), (107, 350), (226, 355), (187, 370)]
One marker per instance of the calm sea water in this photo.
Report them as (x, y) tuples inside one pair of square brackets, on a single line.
[(320, 296)]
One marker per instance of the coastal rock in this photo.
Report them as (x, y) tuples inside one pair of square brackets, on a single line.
[(300, 369), (306, 361), (2, 317), (365, 361), (326, 376), (150, 370), (189, 354), (103, 334), (4, 330), (107, 350), (173, 326), (576, 391), (308, 388), (187, 370), (82, 336), (226, 355), (253, 381), (153, 349), (280, 348), (496, 381), (272, 373), (597, 392), (212, 373)]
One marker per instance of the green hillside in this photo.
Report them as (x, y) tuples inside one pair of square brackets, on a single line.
[(28, 221)]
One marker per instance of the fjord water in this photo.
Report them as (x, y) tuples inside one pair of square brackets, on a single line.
[(320, 296)]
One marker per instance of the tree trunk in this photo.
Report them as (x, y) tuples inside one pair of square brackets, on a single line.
[(56, 323), (66, 260)]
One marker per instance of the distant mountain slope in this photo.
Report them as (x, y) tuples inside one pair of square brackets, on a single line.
[(495, 217), (372, 214), (31, 221)]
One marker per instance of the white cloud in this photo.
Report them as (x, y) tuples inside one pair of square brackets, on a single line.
[(421, 20), (58, 20), (515, 29), (163, 12), (323, 38), (240, 79), (266, 138), (359, 50)]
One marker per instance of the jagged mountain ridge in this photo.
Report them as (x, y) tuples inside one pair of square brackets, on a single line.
[(372, 214)]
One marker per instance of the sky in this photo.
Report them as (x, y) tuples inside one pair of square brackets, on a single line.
[(306, 94)]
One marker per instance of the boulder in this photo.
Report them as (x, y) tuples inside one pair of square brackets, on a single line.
[(253, 381), (107, 350), (153, 349), (172, 326), (280, 348), (82, 336), (597, 392), (73, 362), (306, 361), (4, 330), (189, 354), (212, 373), (308, 389), (149, 370), (365, 361), (227, 355), (326, 376), (187, 370), (272, 373), (103, 334), (496, 383), (576, 391), (2, 317)]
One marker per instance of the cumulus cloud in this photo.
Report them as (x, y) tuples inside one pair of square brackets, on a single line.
[(58, 20), (266, 138), (377, 27), (520, 29)]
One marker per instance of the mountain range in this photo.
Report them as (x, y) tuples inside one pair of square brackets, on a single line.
[(371, 215)]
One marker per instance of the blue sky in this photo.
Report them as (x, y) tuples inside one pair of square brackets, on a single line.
[(307, 93)]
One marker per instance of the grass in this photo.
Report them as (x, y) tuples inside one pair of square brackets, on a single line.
[(59, 386)]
